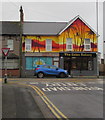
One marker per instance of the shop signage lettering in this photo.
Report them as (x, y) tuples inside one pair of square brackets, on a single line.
[(78, 54)]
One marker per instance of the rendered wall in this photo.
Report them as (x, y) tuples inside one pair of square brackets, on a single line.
[(78, 31)]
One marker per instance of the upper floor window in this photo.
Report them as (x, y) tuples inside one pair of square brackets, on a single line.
[(28, 44), (87, 44), (69, 44), (48, 45), (10, 44)]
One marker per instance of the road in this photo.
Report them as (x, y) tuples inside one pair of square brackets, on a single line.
[(66, 98)]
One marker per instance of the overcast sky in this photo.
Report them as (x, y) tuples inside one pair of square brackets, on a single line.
[(61, 10)]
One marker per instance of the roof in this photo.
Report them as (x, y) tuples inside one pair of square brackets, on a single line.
[(10, 27), (39, 28), (43, 28), (71, 21)]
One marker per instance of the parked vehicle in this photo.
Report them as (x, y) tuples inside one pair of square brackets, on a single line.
[(44, 70)]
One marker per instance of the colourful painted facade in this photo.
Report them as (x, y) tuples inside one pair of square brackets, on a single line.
[(78, 31)]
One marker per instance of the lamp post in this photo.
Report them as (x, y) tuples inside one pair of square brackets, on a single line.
[(97, 38)]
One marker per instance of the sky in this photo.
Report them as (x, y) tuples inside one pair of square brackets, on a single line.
[(56, 10)]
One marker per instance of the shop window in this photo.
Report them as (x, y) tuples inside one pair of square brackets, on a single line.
[(87, 44), (69, 43), (48, 45), (89, 65), (79, 63), (85, 63), (28, 45), (10, 44), (29, 63), (56, 61), (32, 62)]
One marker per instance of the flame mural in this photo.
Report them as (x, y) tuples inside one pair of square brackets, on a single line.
[(78, 31)]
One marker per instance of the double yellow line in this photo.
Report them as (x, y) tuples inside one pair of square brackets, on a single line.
[(58, 114)]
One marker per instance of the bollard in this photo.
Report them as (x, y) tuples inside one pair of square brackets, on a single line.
[(5, 78)]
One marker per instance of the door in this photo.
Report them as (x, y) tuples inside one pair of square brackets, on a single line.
[(68, 64)]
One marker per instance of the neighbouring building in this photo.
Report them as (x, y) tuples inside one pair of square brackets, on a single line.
[(70, 45), (104, 35), (10, 39)]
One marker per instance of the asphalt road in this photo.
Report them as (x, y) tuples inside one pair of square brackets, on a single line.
[(17, 102), (75, 99), (63, 98)]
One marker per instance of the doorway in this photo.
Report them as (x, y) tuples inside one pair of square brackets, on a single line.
[(68, 64)]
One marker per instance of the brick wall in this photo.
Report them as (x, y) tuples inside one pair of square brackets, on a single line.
[(15, 43), (11, 73)]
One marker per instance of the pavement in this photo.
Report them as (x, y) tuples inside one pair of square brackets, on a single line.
[(76, 78), (18, 102)]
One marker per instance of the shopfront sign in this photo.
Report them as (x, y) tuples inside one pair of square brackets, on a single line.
[(78, 54)]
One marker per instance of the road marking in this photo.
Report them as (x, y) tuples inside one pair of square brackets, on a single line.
[(53, 111), (36, 83), (50, 105)]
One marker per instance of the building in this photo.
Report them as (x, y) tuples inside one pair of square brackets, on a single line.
[(70, 45), (10, 37), (104, 36)]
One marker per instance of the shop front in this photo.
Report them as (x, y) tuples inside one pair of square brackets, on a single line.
[(31, 60), (79, 63)]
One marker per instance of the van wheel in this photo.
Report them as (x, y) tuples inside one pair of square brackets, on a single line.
[(62, 75), (40, 75)]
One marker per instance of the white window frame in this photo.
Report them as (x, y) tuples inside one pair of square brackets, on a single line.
[(87, 44), (68, 43), (10, 44), (48, 46), (28, 44)]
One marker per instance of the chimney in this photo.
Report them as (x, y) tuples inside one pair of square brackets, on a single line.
[(21, 14)]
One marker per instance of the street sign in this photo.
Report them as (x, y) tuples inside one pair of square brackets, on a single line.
[(5, 51)]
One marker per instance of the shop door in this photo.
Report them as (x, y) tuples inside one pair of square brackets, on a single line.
[(68, 65)]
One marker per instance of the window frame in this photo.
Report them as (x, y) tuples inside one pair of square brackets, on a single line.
[(29, 44), (85, 44), (48, 45), (10, 46), (69, 44)]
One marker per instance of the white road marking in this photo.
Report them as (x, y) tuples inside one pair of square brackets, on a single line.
[(66, 86), (32, 83), (55, 89)]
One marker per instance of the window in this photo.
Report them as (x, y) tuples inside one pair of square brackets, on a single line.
[(48, 45), (56, 61), (69, 43), (11, 64), (79, 63), (32, 62), (86, 63), (10, 44), (87, 44), (27, 44)]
